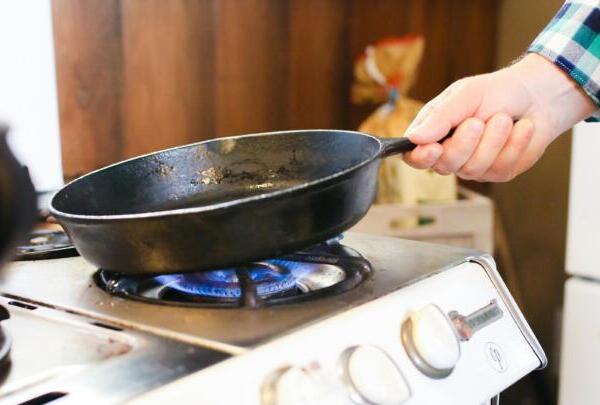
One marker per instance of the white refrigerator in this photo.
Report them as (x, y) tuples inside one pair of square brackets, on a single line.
[(580, 349)]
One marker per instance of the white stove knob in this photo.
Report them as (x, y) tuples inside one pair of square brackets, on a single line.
[(431, 342), (289, 386), (372, 377)]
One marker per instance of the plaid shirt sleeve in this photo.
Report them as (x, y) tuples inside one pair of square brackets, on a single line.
[(571, 41)]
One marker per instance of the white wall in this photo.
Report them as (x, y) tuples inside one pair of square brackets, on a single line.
[(28, 101)]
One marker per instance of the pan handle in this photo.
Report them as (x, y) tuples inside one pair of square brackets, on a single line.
[(394, 146)]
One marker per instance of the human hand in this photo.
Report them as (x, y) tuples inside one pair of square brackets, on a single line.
[(504, 121)]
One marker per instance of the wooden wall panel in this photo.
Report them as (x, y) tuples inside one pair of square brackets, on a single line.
[(168, 66), (475, 36), (136, 76), (87, 42), (251, 66), (439, 49), (319, 64)]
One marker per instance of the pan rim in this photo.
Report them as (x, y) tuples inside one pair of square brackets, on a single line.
[(211, 207)]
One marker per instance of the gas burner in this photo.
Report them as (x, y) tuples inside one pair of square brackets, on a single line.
[(270, 278), (325, 269), (46, 244)]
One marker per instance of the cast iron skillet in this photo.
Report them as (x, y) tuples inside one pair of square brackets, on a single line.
[(223, 202)]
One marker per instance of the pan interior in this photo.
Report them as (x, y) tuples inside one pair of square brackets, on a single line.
[(215, 171)]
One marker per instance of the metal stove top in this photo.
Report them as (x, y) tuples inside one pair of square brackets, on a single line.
[(67, 284)]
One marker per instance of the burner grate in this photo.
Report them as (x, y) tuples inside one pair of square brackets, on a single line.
[(326, 269)]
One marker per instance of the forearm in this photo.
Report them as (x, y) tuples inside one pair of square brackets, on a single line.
[(551, 89)]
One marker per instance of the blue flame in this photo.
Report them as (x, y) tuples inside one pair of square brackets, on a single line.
[(270, 276)]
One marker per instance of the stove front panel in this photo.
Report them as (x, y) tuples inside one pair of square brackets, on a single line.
[(361, 355)]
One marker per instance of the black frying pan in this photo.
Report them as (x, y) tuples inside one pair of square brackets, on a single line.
[(223, 202)]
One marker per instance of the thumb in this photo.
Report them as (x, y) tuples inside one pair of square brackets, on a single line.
[(446, 111)]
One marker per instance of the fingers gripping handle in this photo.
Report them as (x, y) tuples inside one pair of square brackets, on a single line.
[(394, 146)]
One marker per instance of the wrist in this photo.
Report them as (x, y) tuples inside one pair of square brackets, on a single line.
[(551, 89)]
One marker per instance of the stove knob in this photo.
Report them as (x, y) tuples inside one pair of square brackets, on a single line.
[(431, 342), (289, 386), (372, 377)]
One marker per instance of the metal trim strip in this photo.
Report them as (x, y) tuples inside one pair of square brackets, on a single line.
[(489, 265)]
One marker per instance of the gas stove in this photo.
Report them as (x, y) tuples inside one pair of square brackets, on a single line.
[(364, 320)]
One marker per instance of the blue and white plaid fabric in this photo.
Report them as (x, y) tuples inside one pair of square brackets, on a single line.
[(572, 42)]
